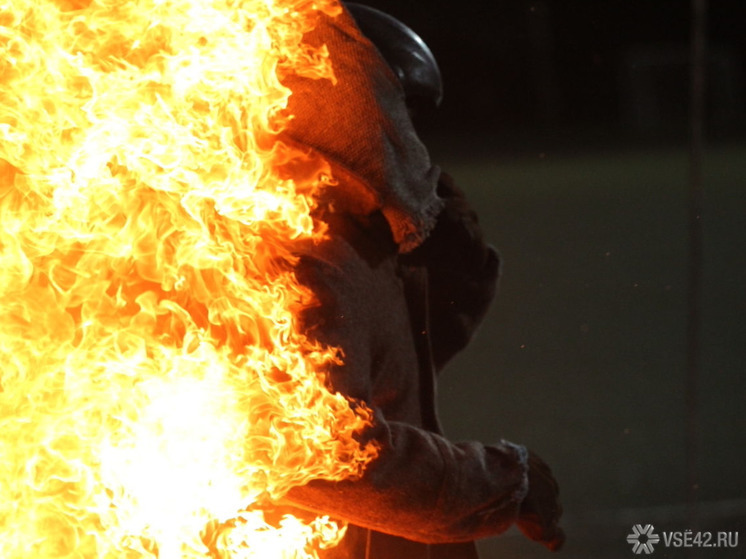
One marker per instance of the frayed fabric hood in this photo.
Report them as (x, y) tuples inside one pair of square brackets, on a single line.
[(361, 126)]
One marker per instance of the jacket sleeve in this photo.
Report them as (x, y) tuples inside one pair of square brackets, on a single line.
[(421, 486), (425, 488)]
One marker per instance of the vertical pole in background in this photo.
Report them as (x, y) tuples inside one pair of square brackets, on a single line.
[(697, 107)]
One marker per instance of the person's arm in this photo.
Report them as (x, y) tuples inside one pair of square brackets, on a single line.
[(424, 488), (421, 486)]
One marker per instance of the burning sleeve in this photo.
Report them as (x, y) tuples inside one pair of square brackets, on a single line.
[(421, 486), (425, 488)]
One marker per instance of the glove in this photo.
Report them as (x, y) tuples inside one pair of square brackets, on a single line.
[(540, 511)]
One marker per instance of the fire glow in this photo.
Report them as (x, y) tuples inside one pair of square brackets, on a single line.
[(156, 393)]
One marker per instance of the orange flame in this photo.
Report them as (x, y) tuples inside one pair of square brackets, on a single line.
[(156, 392)]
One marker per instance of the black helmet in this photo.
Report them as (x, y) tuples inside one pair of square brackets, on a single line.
[(404, 51)]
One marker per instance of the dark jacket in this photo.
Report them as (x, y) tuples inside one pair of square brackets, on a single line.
[(399, 319)]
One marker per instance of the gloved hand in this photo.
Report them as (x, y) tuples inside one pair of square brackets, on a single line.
[(539, 514)]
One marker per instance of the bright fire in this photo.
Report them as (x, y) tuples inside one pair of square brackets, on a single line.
[(156, 394)]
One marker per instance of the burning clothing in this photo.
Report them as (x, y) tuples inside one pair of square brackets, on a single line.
[(157, 390), (402, 281), (423, 496), (360, 125)]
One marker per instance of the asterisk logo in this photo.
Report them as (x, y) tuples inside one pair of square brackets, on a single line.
[(649, 539)]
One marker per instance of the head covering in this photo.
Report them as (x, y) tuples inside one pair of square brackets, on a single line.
[(404, 51), (360, 125)]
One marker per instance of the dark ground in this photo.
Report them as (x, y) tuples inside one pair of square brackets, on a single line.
[(582, 358)]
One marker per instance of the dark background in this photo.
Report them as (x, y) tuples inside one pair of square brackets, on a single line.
[(513, 66), (567, 122)]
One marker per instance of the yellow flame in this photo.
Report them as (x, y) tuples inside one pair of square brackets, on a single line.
[(156, 393)]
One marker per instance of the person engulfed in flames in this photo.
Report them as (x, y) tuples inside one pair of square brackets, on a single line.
[(229, 274), (403, 280)]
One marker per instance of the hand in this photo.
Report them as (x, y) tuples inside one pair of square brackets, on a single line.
[(539, 514)]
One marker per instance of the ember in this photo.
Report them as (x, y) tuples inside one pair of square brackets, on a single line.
[(156, 393)]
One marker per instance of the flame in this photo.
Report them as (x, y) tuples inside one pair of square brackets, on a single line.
[(156, 392)]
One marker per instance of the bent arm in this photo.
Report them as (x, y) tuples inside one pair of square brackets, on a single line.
[(421, 486), (424, 488)]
